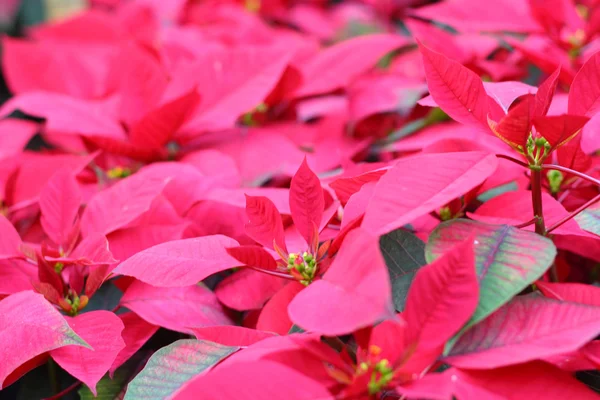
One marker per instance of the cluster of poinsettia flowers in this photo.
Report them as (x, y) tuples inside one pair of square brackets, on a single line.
[(257, 199)]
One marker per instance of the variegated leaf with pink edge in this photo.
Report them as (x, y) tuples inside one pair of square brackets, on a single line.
[(525, 329), (507, 259), (171, 368)]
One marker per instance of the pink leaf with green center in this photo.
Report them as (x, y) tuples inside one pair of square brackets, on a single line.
[(180, 262), (30, 326), (307, 202), (262, 380), (526, 329), (175, 308), (174, 366), (584, 97), (507, 259), (418, 185), (355, 292), (264, 222), (9, 240), (102, 330), (456, 89), (59, 203), (441, 299), (589, 219)]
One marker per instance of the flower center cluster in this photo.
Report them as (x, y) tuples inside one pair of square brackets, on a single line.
[(73, 303), (118, 173), (302, 267), (537, 149), (382, 372)]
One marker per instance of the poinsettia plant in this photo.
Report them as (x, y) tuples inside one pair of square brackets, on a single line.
[(302, 200)]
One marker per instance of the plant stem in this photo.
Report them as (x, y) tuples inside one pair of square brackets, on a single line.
[(536, 197), (573, 172), (521, 163), (52, 375), (526, 224), (554, 167), (60, 395), (274, 273), (538, 212), (573, 214)]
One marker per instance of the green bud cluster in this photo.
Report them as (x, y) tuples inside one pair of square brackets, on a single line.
[(58, 267), (382, 375), (118, 173), (555, 179), (305, 265), (74, 304), (446, 214), (538, 149)]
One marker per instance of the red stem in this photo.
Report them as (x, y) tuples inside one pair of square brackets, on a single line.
[(572, 172), (536, 197), (509, 158), (274, 273), (538, 212), (573, 214), (526, 224), (60, 395)]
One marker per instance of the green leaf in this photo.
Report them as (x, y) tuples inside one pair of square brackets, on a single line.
[(497, 191), (108, 389), (107, 297), (589, 219), (172, 366), (404, 254), (295, 329), (507, 259)]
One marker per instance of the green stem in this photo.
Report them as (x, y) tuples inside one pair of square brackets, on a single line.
[(53, 376)]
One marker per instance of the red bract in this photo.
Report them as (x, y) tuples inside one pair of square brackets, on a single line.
[(259, 199)]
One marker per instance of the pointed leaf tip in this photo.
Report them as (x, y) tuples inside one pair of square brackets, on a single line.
[(307, 201)]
